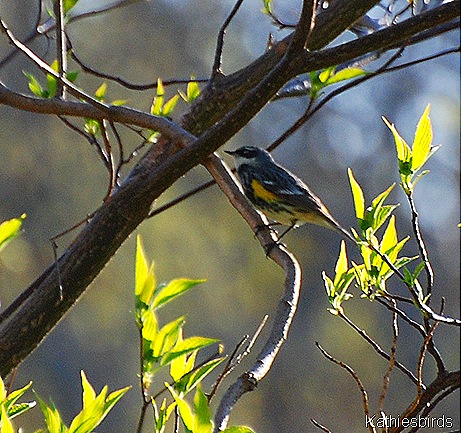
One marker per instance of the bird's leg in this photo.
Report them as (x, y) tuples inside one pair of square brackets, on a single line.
[(271, 246), (266, 226), (293, 225)]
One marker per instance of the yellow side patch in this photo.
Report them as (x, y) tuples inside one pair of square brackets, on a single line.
[(260, 192)]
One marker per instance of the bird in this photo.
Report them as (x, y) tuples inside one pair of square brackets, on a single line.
[(278, 193)]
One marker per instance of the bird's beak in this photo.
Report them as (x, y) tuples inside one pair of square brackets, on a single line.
[(230, 152)]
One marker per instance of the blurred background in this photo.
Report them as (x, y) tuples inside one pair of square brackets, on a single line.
[(53, 175)]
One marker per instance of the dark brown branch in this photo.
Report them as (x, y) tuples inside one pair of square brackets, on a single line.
[(442, 383), (220, 42)]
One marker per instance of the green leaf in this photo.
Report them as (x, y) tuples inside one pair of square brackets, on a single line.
[(89, 394), (193, 90), (157, 103), (173, 289), (149, 325), (167, 337), (144, 275), (95, 407), (34, 86), (329, 286), (10, 229), (92, 126), (69, 4), (390, 236), (13, 397), (267, 8), (169, 105), (341, 264), (5, 424), (187, 346), (53, 420), (403, 150), (185, 411), (202, 413), (325, 75), (101, 92), (422, 141), (345, 74), (238, 429), (357, 194), (191, 379), (72, 76), (51, 82)]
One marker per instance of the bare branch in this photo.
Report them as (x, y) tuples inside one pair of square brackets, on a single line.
[(378, 348), (386, 379), (61, 45), (220, 43), (366, 407)]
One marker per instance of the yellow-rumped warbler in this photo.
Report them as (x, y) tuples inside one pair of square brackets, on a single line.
[(279, 194)]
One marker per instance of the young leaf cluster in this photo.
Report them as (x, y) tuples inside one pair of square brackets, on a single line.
[(411, 160), (326, 77), (381, 257), (51, 88), (165, 346), (95, 408)]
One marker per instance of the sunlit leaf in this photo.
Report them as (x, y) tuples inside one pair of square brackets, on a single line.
[(101, 92), (10, 229), (5, 424), (34, 86), (167, 337), (422, 141), (144, 275), (185, 411), (341, 264), (357, 194), (173, 289), (403, 150), (345, 74), (238, 429), (187, 346), (190, 380)]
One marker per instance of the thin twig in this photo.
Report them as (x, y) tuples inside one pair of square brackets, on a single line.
[(110, 156), (89, 137), (432, 348), (386, 379), (422, 357), (128, 84), (121, 157), (44, 67), (421, 246), (420, 363), (363, 392), (320, 426), (377, 347), (220, 42), (236, 357), (61, 45)]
